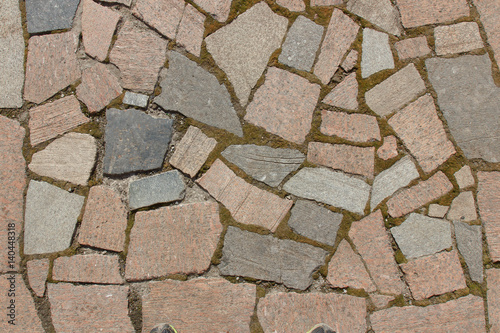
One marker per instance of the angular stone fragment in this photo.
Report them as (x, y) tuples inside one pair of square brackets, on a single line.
[(350, 60), (470, 244), (493, 298), (162, 15), (488, 200), (412, 48), (191, 29), (218, 9), (350, 126), (488, 10), (263, 163), (464, 177), (161, 188), (291, 312), (269, 258), (315, 222), (436, 210), (315, 3), (457, 38), (38, 271), (381, 301), (381, 13), (301, 43), (243, 47), (88, 268), (389, 149), (49, 15), (50, 218), (415, 13), (345, 94), (199, 305), (135, 99), (463, 208), (293, 5), (196, 93), (376, 53), (281, 92), (124, 2), (246, 203)]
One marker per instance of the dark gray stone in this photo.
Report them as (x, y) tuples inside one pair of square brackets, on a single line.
[(469, 243), (49, 15), (470, 102), (162, 188), (194, 92), (266, 164), (268, 258), (135, 141)]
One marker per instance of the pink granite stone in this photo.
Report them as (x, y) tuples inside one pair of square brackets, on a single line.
[(493, 298), (293, 5), (350, 126), (345, 94), (381, 301), (350, 60), (412, 48), (315, 3), (98, 88), (218, 9), (488, 11), (38, 271), (88, 268), (389, 149), (457, 38), (415, 13), (488, 200), (162, 15), (191, 30)]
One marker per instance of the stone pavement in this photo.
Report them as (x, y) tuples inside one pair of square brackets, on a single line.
[(250, 165)]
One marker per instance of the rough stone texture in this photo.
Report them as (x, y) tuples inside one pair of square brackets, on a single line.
[(263, 163), (464, 177), (436, 210), (346, 269), (291, 312), (135, 99), (434, 275), (330, 187), (218, 9), (412, 48), (246, 203), (191, 30), (49, 208), (457, 38), (37, 272), (49, 15), (51, 65), (409, 199), (390, 180), (470, 244), (381, 301), (493, 297), (301, 43), (463, 208), (243, 47), (88, 268), (124, 2), (376, 53), (488, 11), (281, 92), (350, 60), (389, 149), (70, 158), (269, 258), (350, 159), (162, 15), (345, 94), (89, 308), (381, 13), (350, 126), (488, 200), (415, 13), (196, 93), (462, 315), (139, 54), (315, 222), (470, 102), (161, 188), (422, 132), (135, 141), (396, 91), (172, 240), (340, 34), (420, 235), (372, 242), (199, 305), (293, 5)]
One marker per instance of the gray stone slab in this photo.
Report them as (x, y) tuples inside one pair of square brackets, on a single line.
[(470, 102), (135, 141), (162, 188), (135, 99), (331, 187), (420, 235), (301, 44), (194, 92), (49, 15), (376, 53), (315, 222), (469, 243), (268, 258), (265, 164), (382, 13), (50, 218)]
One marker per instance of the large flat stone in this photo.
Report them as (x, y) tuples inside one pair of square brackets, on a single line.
[(88, 268), (345, 94), (380, 13), (488, 10), (218, 9), (162, 15), (350, 126), (463, 208), (457, 38), (493, 298), (49, 15), (376, 53), (470, 244), (415, 13), (488, 200), (161, 188), (37, 272)]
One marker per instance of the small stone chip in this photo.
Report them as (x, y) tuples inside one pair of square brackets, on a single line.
[(464, 177), (38, 271), (350, 60), (161, 188), (135, 99)]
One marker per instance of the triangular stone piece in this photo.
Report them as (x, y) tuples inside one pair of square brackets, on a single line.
[(345, 94), (381, 13)]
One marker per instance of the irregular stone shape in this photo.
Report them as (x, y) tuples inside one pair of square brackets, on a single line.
[(488, 10), (345, 94), (372, 242), (49, 15), (70, 158), (422, 12), (135, 141), (315, 3), (315, 222), (346, 270), (410, 199), (51, 65), (196, 93), (218, 9), (380, 13), (135, 99), (396, 91), (381, 301), (350, 159), (292, 312), (50, 218), (301, 43), (436, 210), (191, 30), (12, 55), (246, 203), (139, 54), (488, 201), (88, 268), (269, 258), (199, 305), (98, 26), (412, 48), (420, 236), (464, 177), (265, 164), (38, 271), (162, 15), (73, 308), (389, 149), (161, 188), (350, 60), (281, 92), (434, 275), (243, 47), (124, 2), (350, 126), (376, 53), (173, 240), (465, 314), (493, 298), (293, 5), (192, 151), (457, 38), (470, 102), (390, 180), (330, 187), (470, 244), (463, 208), (340, 34)]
